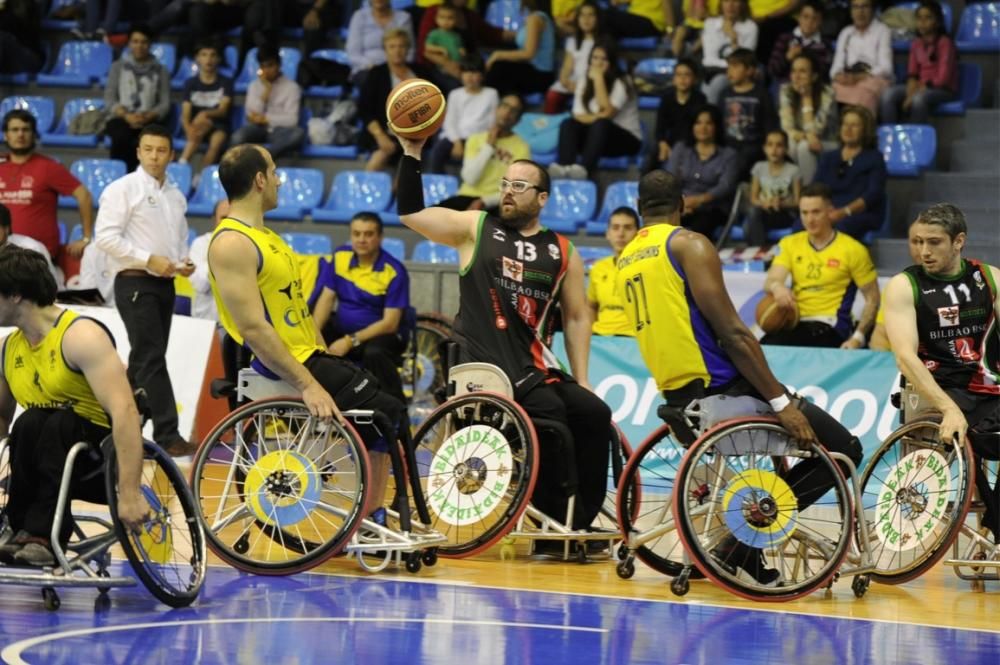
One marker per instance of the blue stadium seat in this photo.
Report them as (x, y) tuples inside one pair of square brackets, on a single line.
[(208, 193), (903, 45), (43, 108), (571, 203), (907, 149), (506, 14), (76, 233), (78, 65), (60, 136), (51, 23), (180, 174), (979, 28), (328, 91), (301, 190), (290, 58), (355, 191), (654, 69), (427, 251), (395, 246), (309, 243), (970, 89), (95, 175), (62, 232), (309, 149), (621, 193)]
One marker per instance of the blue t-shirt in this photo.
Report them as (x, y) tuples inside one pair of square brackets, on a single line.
[(364, 292), (208, 96)]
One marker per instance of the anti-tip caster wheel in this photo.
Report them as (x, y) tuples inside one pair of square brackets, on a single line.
[(860, 585), (625, 569), (413, 564), (622, 552), (51, 599), (429, 557), (242, 546), (680, 585)]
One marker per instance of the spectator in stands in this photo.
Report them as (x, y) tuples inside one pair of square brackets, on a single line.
[(747, 110), (675, 113), (576, 56), (686, 38), (470, 110), (30, 185), (862, 64), (203, 303), (21, 47), (640, 18), (605, 120), (476, 32), (379, 82), (827, 268), (371, 291), (487, 156), (808, 115), (260, 21), (932, 72), (315, 18), (9, 238), (721, 36), (774, 190), (141, 225), (137, 95), (856, 175), (606, 306), (205, 110), (445, 47), (804, 39), (272, 107), (530, 67), (367, 34), (707, 170)]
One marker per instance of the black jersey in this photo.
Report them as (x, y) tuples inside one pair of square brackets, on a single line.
[(957, 327), (507, 295)]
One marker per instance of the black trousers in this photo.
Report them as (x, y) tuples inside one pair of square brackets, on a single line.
[(381, 356), (39, 442), (808, 333), (983, 415), (601, 138), (146, 305), (589, 421)]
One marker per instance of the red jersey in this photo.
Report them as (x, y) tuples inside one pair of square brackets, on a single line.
[(31, 191)]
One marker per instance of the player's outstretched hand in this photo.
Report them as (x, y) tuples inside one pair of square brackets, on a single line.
[(412, 147)]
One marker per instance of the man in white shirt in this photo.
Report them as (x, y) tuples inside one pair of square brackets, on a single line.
[(141, 225), (203, 304), (272, 107), (862, 63), (27, 243)]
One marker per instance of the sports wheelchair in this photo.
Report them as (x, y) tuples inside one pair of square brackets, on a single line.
[(477, 458), (280, 491), (167, 554), (421, 374)]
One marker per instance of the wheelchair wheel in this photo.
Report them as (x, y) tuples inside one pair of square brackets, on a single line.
[(647, 486), (736, 506), (168, 554), (916, 491), (422, 372), (477, 459), (278, 490), (4, 477)]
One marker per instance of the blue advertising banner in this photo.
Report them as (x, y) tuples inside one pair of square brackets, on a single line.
[(853, 386)]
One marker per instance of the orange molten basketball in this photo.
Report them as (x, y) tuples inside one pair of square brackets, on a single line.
[(415, 109), (772, 319)]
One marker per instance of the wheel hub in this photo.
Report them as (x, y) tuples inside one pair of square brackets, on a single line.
[(911, 501), (762, 513), (470, 475)]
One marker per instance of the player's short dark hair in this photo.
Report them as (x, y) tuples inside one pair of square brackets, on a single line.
[(691, 64), (817, 190), (157, 130), (660, 194), (23, 115), (815, 5), (368, 216), (742, 56), (544, 182), (26, 273), (268, 54), (208, 44), (628, 212), (238, 169), (143, 29), (946, 215), (471, 62)]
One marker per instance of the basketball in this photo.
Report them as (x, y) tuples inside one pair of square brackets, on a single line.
[(415, 109), (773, 319)]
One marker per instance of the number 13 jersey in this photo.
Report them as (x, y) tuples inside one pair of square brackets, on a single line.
[(676, 340)]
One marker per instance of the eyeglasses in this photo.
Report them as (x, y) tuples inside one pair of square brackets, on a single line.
[(517, 186)]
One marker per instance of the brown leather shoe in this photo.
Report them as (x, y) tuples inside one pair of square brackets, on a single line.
[(180, 447)]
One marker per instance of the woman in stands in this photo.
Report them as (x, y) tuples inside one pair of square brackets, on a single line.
[(530, 67), (605, 120), (862, 63), (932, 72), (856, 175), (708, 173), (576, 58), (808, 116), (475, 31)]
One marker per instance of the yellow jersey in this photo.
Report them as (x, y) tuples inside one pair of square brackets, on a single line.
[(280, 286), (603, 290), (675, 339), (825, 281), (508, 149), (39, 377)]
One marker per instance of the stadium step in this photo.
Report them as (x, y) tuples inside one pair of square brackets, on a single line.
[(975, 155), (973, 189), (982, 124)]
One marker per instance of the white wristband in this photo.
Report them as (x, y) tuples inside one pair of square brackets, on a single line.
[(859, 337), (779, 403)]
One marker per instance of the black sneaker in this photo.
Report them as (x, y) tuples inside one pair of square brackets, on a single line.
[(732, 554)]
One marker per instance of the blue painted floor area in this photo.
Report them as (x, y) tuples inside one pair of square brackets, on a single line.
[(243, 619)]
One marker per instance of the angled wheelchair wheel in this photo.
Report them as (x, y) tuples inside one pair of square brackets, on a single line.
[(645, 499), (476, 460), (4, 477), (737, 501), (168, 553), (422, 371), (916, 491), (278, 490)]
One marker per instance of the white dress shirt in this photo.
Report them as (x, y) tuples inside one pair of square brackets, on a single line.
[(203, 303), (139, 217)]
